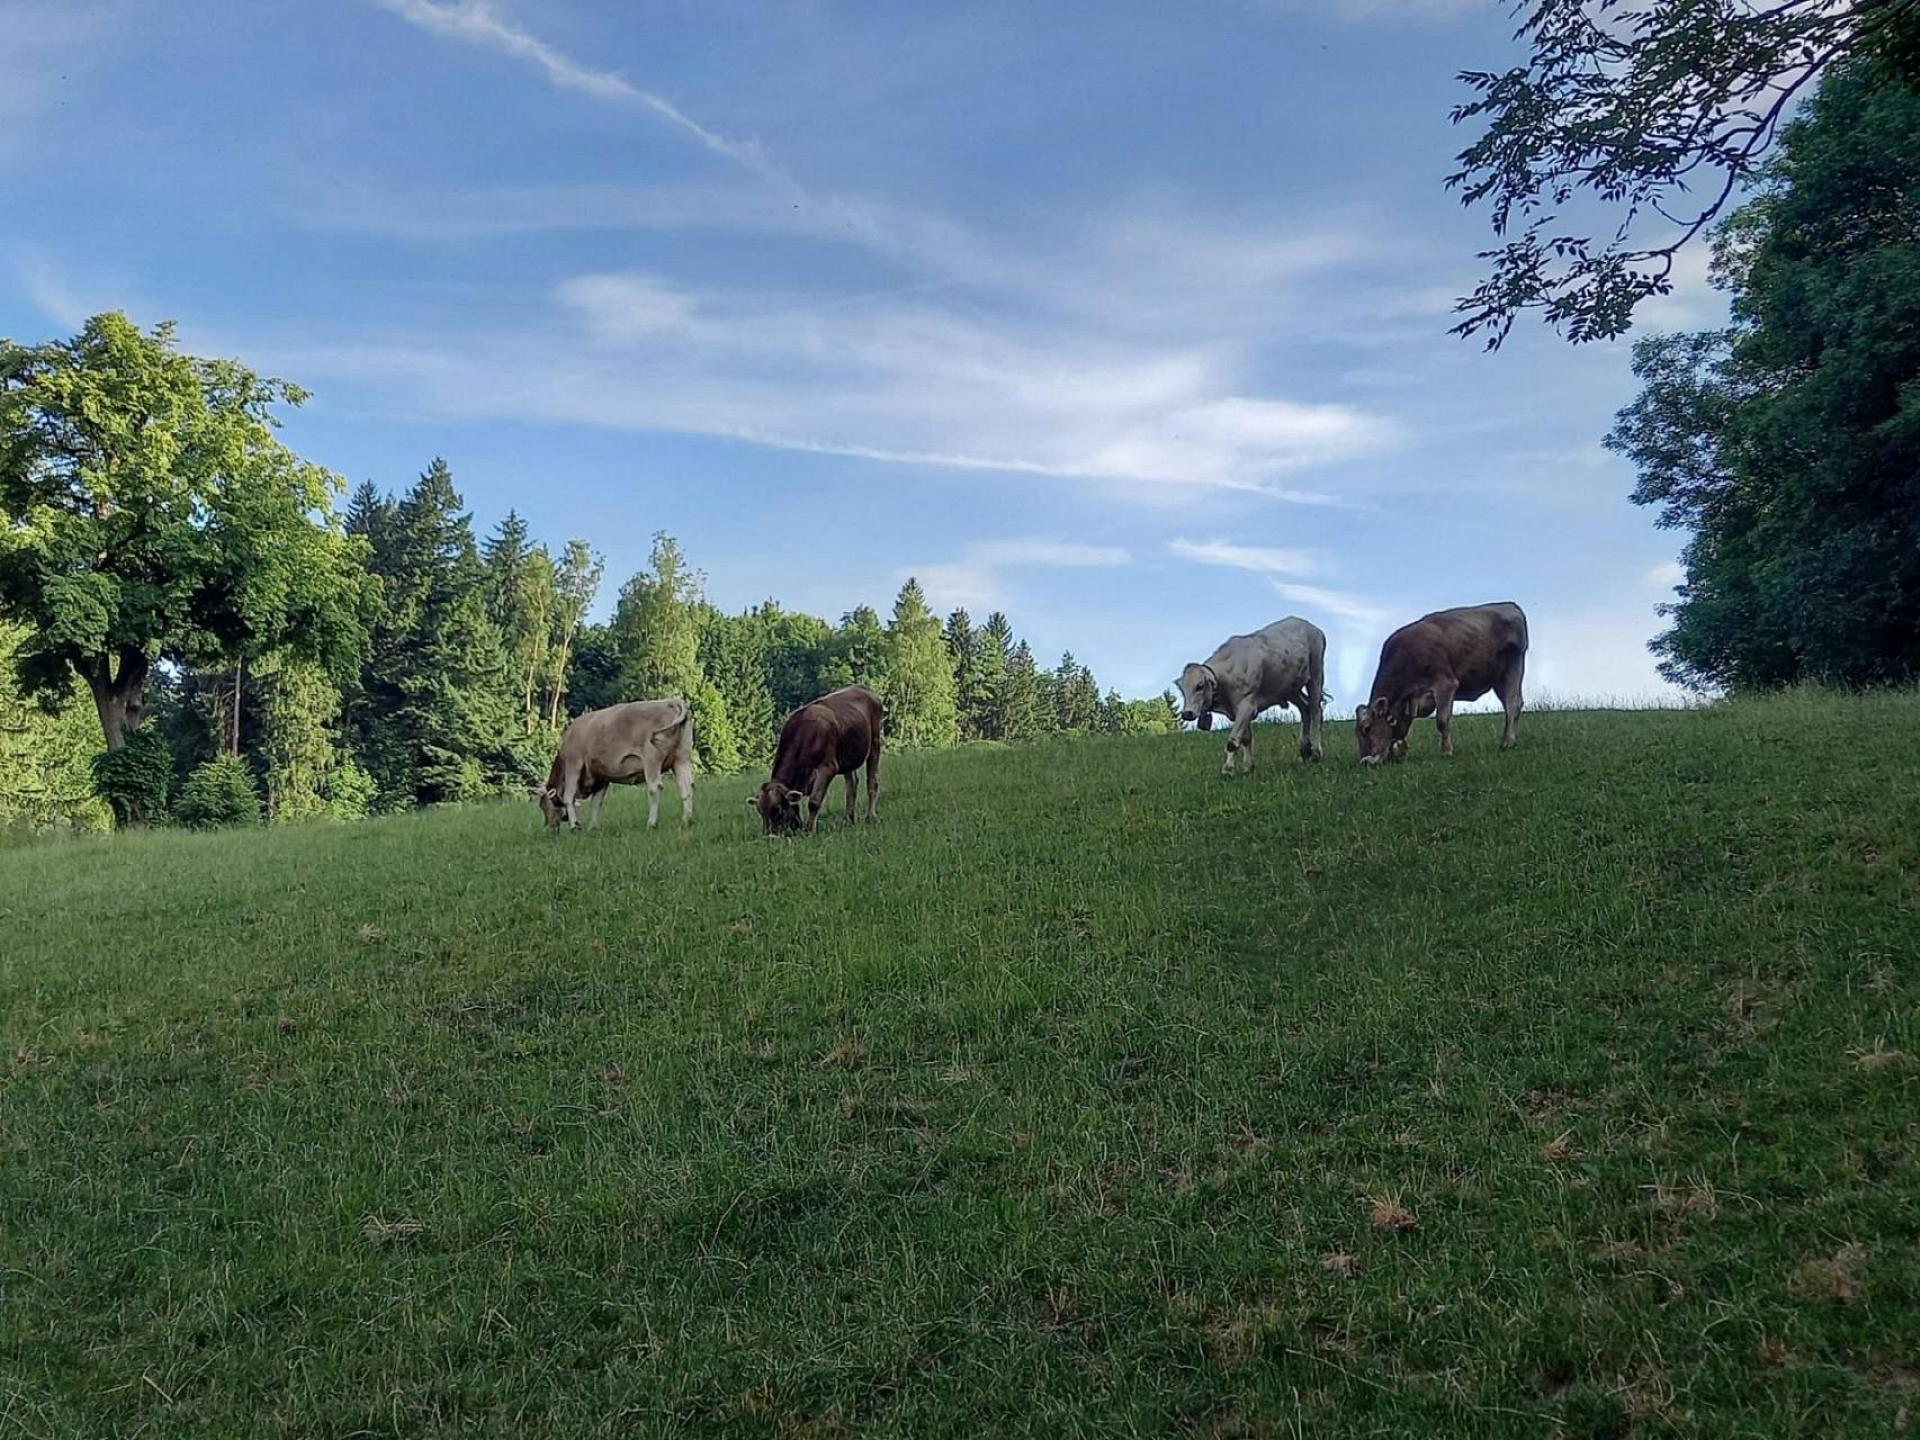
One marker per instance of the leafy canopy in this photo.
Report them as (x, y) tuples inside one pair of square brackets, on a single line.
[(1626, 134)]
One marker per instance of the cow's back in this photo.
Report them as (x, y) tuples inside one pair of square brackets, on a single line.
[(841, 727), (1472, 643), (1277, 659), (606, 742)]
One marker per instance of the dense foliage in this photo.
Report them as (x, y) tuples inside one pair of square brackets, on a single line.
[(254, 655), (1658, 112), (1789, 444), (218, 793)]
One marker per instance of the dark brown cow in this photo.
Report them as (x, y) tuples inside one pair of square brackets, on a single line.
[(1440, 658), (834, 735)]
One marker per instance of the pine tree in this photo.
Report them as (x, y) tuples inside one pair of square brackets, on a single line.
[(967, 654), (436, 715), (1076, 698), (996, 648), (520, 602), (919, 678), (1024, 707)]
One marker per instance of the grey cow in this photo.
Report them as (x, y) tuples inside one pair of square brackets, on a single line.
[(1284, 664), (625, 744)]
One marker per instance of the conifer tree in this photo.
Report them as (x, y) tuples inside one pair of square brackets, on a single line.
[(1024, 707)]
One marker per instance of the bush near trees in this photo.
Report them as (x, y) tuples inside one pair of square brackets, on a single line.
[(192, 633)]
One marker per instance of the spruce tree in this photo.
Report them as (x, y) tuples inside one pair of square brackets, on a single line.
[(436, 716), (967, 654), (1023, 707), (995, 649)]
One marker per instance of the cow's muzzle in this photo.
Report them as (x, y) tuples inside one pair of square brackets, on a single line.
[(1369, 759)]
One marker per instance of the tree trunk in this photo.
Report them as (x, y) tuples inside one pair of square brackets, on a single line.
[(119, 698), (233, 718)]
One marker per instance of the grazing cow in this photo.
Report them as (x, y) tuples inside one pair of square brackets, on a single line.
[(834, 735), (621, 745), (1284, 664), (1440, 658)]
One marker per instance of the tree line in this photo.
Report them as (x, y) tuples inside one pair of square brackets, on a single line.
[(190, 630)]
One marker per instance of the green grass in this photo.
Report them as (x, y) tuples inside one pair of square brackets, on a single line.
[(1062, 1102)]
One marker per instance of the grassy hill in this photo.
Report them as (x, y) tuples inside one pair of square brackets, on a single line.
[(1566, 1092)]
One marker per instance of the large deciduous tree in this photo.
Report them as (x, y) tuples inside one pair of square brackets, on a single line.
[(1789, 445), (152, 514), (919, 677), (1627, 133)]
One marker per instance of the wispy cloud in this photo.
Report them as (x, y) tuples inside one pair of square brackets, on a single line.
[(480, 22), (1341, 604), (1121, 348), (1067, 554), (1266, 560), (1665, 575), (978, 580)]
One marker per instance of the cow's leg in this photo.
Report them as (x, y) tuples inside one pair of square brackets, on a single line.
[(650, 767), (683, 778), (593, 811), (1443, 715), (1509, 692), (873, 783), (1310, 716), (1240, 739), (852, 777)]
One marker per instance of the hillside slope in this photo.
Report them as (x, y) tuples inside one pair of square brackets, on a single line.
[(1565, 1092)]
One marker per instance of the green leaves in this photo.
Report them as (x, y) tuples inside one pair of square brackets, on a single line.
[(1790, 443), (155, 511)]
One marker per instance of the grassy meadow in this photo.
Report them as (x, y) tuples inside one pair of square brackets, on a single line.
[(1568, 1092)]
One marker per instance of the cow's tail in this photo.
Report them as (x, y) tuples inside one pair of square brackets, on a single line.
[(681, 730)]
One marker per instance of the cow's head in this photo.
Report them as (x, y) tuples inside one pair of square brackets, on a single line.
[(1381, 728), (782, 811), (1197, 686), (550, 807)]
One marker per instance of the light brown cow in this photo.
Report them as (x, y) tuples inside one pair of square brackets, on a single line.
[(621, 745), (1440, 658)]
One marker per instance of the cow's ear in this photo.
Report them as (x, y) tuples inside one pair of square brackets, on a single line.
[(1360, 711), (1380, 706)]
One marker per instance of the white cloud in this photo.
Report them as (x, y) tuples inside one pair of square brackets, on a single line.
[(1068, 554), (959, 587), (1666, 575), (1267, 560), (977, 583), (479, 22), (1341, 604)]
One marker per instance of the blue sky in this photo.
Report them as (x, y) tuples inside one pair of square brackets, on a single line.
[(1127, 318)]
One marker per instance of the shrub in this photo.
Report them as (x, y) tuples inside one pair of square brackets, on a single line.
[(135, 779), (351, 792), (220, 792)]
